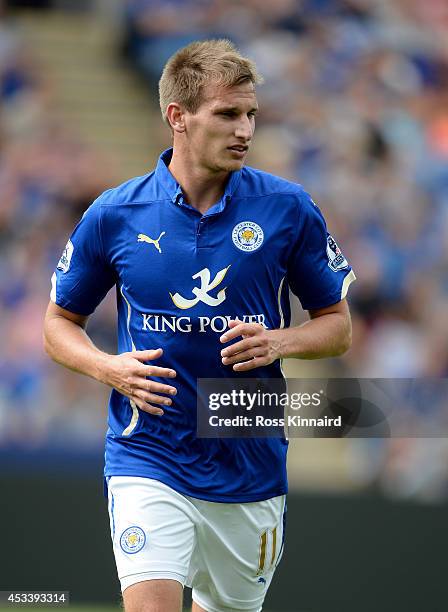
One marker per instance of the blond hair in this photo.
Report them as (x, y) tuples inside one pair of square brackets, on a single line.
[(198, 64)]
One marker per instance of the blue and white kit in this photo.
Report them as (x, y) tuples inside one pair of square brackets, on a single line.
[(180, 277)]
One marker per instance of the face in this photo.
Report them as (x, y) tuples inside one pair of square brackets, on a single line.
[(219, 134)]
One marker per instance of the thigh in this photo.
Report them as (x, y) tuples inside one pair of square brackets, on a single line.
[(238, 549), (152, 530), (153, 596)]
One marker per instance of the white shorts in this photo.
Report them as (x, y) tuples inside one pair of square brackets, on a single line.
[(227, 553)]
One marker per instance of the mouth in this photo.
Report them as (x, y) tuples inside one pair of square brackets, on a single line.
[(239, 150)]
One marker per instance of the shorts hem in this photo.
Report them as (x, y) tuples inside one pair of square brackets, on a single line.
[(128, 581), (206, 605)]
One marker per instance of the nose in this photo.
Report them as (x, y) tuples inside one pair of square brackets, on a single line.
[(244, 129)]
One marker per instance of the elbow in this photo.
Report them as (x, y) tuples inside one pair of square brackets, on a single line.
[(345, 345), (343, 338), (346, 341), (47, 346)]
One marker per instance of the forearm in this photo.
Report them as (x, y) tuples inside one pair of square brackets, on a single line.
[(325, 336), (67, 343)]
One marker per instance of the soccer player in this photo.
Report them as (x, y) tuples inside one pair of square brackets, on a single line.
[(202, 252)]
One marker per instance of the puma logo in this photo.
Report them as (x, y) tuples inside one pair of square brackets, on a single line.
[(145, 238)]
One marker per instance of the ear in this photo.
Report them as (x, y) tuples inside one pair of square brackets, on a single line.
[(176, 117)]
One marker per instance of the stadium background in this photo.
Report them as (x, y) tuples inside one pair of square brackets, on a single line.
[(355, 107)]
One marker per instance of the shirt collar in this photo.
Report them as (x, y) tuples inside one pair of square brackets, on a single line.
[(174, 190)]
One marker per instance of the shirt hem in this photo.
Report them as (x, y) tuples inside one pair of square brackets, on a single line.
[(224, 499), (332, 298), (71, 307)]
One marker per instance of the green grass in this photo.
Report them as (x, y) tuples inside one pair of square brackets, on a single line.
[(69, 608), (72, 608)]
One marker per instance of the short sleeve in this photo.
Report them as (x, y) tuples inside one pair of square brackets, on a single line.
[(318, 273), (83, 276)]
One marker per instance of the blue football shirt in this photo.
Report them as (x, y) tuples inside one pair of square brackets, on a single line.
[(180, 276)]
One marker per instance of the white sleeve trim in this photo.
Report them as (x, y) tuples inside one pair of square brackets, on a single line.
[(346, 284), (53, 288)]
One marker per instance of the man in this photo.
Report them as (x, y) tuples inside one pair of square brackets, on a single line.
[(202, 252)]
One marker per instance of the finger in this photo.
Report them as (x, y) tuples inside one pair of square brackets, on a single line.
[(158, 371), (156, 387), (244, 356), (232, 332), (147, 355), (257, 362), (242, 345), (234, 322), (135, 383), (147, 407), (242, 329), (153, 398)]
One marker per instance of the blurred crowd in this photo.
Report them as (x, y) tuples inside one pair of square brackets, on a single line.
[(48, 177), (354, 107)]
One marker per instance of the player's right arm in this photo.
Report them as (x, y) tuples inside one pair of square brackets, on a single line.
[(80, 282), (67, 342)]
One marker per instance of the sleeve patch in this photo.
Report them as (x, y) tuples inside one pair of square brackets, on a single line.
[(336, 259), (64, 262)]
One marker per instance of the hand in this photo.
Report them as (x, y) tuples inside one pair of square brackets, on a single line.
[(258, 347), (127, 373)]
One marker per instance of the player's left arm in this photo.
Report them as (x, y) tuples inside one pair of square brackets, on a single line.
[(328, 333)]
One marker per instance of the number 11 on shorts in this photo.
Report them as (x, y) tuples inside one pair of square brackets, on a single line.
[(268, 547)]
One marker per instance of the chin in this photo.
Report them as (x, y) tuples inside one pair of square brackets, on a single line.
[(233, 165)]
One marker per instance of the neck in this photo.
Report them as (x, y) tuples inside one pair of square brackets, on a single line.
[(201, 187)]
